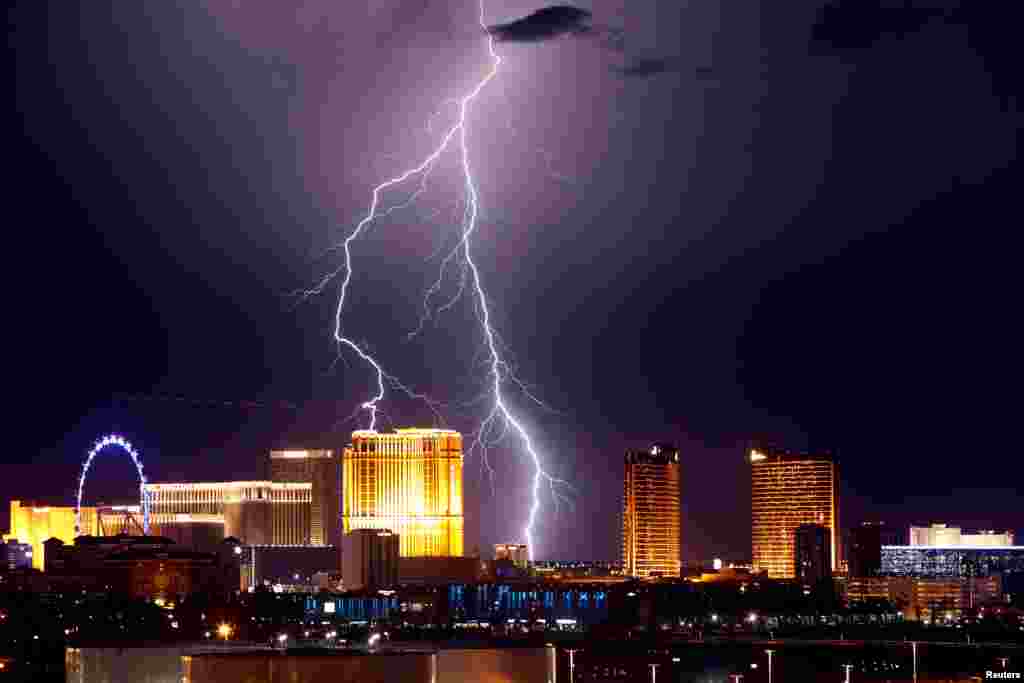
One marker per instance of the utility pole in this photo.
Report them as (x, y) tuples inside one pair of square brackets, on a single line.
[(770, 653), (572, 665)]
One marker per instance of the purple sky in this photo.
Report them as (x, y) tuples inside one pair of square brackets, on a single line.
[(783, 236)]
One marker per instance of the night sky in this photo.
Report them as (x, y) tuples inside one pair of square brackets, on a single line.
[(755, 222)]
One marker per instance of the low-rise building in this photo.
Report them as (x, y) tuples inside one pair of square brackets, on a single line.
[(369, 559), (140, 566), (927, 599)]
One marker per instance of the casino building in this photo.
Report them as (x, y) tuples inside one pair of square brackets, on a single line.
[(254, 512), (788, 490), (651, 515), (409, 482)]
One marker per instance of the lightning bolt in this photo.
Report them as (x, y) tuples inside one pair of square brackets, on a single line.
[(500, 420)]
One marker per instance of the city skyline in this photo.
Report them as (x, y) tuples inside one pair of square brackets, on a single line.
[(795, 256), (201, 503)]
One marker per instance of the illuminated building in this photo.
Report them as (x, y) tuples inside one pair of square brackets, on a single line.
[(516, 552), (369, 559), (577, 571), (651, 513), (923, 598), (409, 482), (940, 535), (951, 561), (35, 524), (15, 555), (812, 554), (319, 468), (787, 490), (255, 512)]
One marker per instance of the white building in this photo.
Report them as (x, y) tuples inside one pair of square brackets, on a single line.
[(941, 535)]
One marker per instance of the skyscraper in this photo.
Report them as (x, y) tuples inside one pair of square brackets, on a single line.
[(319, 468), (409, 482), (812, 554), (651, 513), (787, 490)]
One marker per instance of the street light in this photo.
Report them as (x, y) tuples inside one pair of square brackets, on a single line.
[(770, 653), (847, 667), (913, 647), (224, 631), (654, 672), (572, 665)]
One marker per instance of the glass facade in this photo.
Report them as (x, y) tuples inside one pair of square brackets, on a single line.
[(410, 482), (651, 515), (958, 561), (788, 490)]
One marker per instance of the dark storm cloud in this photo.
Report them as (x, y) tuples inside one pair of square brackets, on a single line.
[(855, 24), (645, 67), (544, 24)]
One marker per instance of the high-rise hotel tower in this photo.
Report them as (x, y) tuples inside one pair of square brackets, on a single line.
[(787, 490), (319, 468), (410, 482), (651, 514)]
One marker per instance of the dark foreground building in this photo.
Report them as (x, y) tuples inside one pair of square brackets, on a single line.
[(141, 567)]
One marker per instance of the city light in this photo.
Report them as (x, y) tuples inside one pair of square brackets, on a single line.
[(224, 631), (386, 487), (123, 444)]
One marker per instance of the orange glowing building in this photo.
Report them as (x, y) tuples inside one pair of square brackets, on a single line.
[(410, 482), (651, 516), (789, 490), (35, 524)]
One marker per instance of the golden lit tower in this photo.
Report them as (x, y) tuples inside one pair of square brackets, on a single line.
[(788, 490), (651, 513), (410, 482)]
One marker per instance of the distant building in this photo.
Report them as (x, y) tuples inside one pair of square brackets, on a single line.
[(812, 554), (255, 512), (141, 566), (927, 599), (34, 524), (410, 482), (320, 469), (287, 568), (951, 561), (558, 570), (789, 489), (516, 552), (651, 517), (439, 571), (15, 555), (941, 535), (864, 547), (369, 559)]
